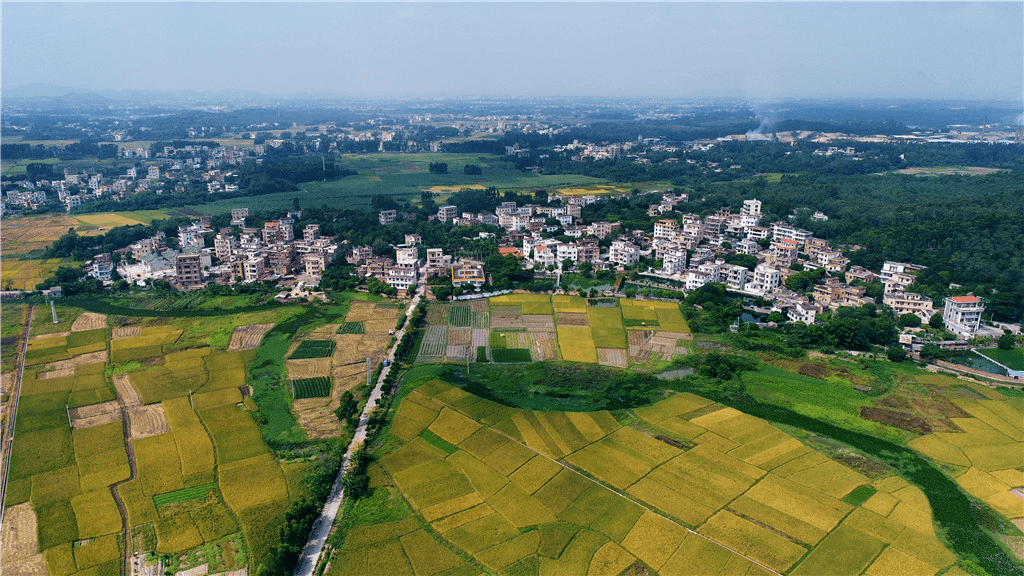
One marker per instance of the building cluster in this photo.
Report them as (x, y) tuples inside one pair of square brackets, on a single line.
[(239, 254), (172, 170), (406, 269)]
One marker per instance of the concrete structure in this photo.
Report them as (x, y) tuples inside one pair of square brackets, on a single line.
[(188, 270), (386, 217), (909, 303), (471, 273), (447, 213), (962, 315)]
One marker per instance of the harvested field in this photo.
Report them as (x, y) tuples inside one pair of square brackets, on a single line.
[(538, 322), (89, 321), (248, 337), (481, 337), (501, 322), (572, 319), (145, 421), (125, 391), (640, 348), (357, 347), (308, 368), (80, 360), (57, 373), (481, 314), (316, 417), (611, 357), (94, 415), (20, 543), (324, 332), (544, 346), (122, 332), (665, 344), (460, 336), (457, 353)]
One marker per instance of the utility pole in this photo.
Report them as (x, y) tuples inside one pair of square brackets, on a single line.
[(54, 310)]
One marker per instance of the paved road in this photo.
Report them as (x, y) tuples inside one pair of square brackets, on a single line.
[(8, 439), (322, 527)]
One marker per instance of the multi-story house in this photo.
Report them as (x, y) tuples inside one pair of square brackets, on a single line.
[(624, 253), (188, 270), (587, 250), (781, 230), (311, 232), (102, 267), (224, 244), (360, 254), (667, 229), (962, 315), (471, 273), (898, 275), (766, 278), (386, 217), (447, 213), (909, 303), (413, 240), (735, 277)]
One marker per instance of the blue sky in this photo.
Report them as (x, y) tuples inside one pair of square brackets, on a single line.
[(748, 50)]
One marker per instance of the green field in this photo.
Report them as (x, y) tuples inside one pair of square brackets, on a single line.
[(313, 349), (318, 387), (403, 176), (1012, 359)]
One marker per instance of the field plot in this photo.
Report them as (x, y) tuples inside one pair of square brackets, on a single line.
[(511, 506), (1012, 359), (433, 346), (23, 235), (576, 344), (148, 342), (313, 349), (248, 337), (990, 445), (318, 387)]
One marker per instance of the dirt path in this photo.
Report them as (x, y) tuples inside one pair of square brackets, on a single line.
[(127, 398), (12, 413)]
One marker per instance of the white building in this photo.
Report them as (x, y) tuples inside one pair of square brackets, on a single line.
[(962, 315), (624, 253)]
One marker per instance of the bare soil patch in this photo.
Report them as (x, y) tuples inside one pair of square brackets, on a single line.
[(7, 382), (460, 336), (896, 418), (544, 346), (640, 348), (20, 541), (122, 332), (324, 332), (308, 368), (149, 420), (80, 360), (611, 357), (95, 414), (89, 321), (248, 337), (125, 391), (481, 337), (51, 335), (457, 352), (499, 322), (59, 373), (543, 321), (572, 319)]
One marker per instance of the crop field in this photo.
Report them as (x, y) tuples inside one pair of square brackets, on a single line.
[(513, 490), (1012, 359), (559, 327), (24, 235), (107, 220), (319, 387), (186, 494), (989, 448), (25, 274), (313, 349), (352, 328)]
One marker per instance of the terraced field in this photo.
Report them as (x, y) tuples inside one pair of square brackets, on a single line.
[(698, 488)]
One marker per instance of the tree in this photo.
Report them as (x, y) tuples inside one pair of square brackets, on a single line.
[(909, 320), (935, 321), (896, 354), (1007, 341), (931, 351), (472, 170), (438, 167)]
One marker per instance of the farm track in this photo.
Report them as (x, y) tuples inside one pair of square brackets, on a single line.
[(8, 445), (309, 558)]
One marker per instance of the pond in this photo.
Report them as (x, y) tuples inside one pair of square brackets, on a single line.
[(677, 373), (749, 317), (977, 361)]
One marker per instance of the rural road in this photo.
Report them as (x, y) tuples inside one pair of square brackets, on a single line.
[(8, 439), (322, 527)]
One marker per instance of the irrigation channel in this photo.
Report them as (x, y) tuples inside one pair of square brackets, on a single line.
[(950, 506), (7, 450)]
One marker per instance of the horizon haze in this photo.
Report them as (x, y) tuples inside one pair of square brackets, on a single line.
[(752, 51)]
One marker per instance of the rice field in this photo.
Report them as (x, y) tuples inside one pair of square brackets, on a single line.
[(510, 490)]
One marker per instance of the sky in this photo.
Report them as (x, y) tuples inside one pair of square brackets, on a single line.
[(961, 50)]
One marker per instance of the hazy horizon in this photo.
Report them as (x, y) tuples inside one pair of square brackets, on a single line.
[(927, 50)]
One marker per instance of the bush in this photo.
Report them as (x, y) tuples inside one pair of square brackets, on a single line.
[(896, 354), (1007, 341)]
